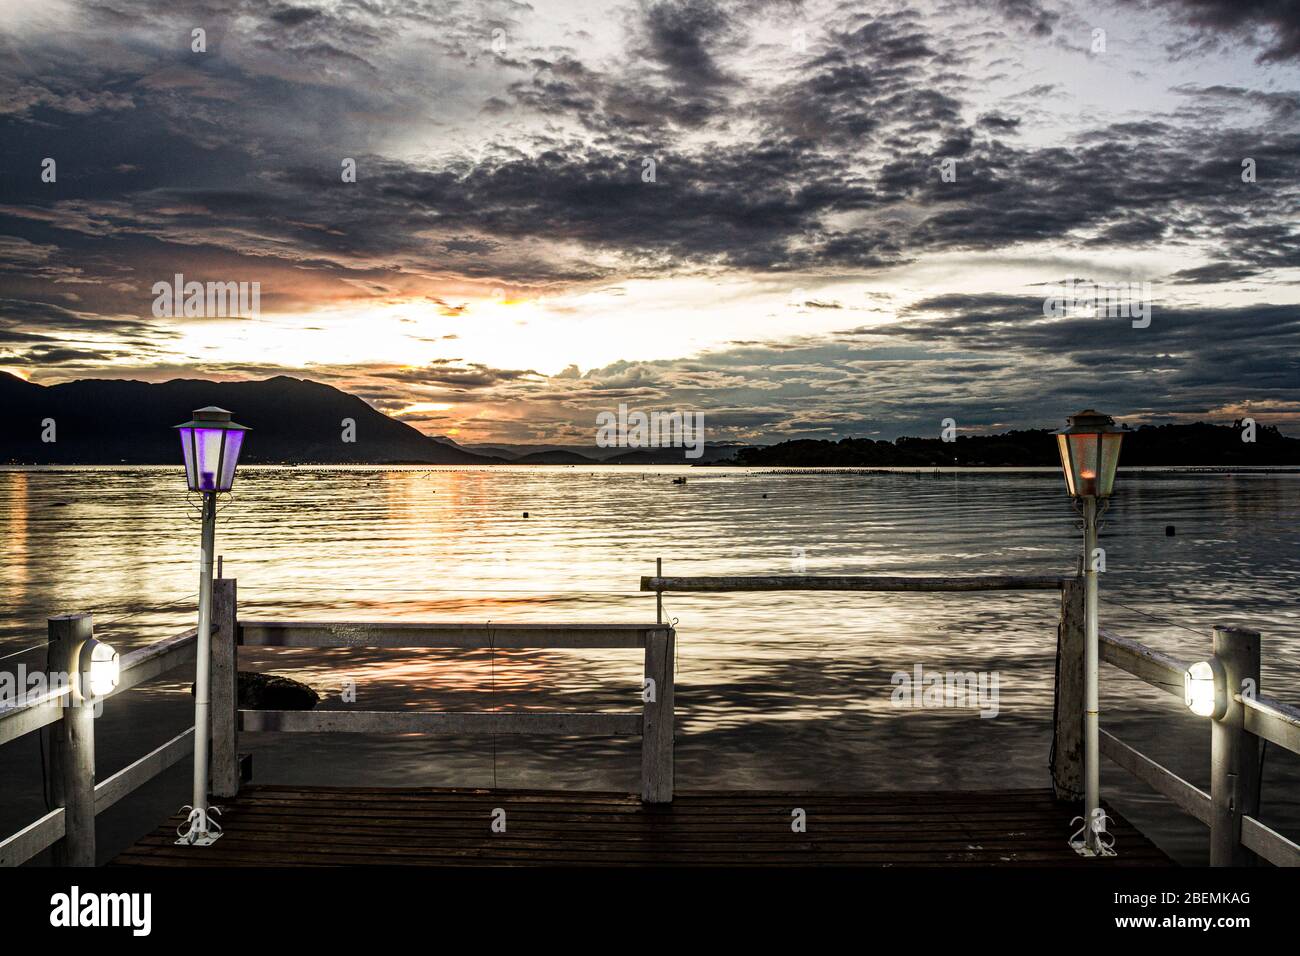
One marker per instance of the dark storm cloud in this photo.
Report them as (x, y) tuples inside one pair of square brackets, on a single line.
[(292, 16), (1000, 123), (1253, 348), (765, 204), (457, 374), (1034, 14), (48, 318), (679, 34), (1280, 19), (1284, 106)]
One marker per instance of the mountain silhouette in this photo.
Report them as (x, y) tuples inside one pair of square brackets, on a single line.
[(109, 422)]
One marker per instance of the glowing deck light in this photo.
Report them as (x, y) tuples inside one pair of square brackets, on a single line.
[(100, 669), (1204, 689)]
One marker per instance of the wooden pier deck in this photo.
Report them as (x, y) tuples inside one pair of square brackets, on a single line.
[(335, 826)]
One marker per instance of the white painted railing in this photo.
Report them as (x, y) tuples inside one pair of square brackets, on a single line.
[(70, 826)]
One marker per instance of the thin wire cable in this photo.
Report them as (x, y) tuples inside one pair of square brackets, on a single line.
[(24, 650), (677, 651), (1154, 617), (111, 622), (492, 693), (130, 618)]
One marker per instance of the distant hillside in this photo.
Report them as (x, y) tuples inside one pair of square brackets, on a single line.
[(594, 454), (295, 421), (1198, 444), (101, 422), (556, 457)]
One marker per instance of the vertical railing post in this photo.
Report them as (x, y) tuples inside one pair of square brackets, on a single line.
[(1067, 740), (72, 745), (1234, 751), (657, 718), (224, 781)]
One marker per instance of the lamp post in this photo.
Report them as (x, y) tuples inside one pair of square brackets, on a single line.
[(1089, 449), (211, 443)]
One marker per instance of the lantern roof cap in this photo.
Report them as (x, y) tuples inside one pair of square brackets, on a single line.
[(1089, 422), (213, 417)]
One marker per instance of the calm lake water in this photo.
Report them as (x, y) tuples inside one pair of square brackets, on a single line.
[(774, 690)]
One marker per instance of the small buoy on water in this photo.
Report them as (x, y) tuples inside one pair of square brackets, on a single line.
[(765, 496), (525, 514), (1169, 531)]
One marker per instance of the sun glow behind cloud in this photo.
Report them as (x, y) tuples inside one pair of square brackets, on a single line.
[(650, 319), (641, 320)]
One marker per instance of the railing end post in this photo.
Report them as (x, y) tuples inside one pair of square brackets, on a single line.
[(72, 744), (1234, 751), (1067, 717), (225, 777), (657, 723)]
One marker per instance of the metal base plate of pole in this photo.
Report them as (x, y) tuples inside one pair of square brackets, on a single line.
[(1092, 841), (202, 830)]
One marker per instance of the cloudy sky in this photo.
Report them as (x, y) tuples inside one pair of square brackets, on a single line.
[(731, 206)]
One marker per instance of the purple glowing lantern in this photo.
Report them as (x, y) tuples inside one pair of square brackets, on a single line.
[(211, 444)]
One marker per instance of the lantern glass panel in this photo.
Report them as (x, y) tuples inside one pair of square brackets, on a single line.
[(1079, 458), (208, 444), (230, 458), (1110, 442), (187, 448), (1063, 446)]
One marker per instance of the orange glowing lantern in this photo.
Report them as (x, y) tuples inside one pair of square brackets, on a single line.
[(1089, 450)]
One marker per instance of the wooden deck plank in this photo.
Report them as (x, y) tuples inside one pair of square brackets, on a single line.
[(356, 826)]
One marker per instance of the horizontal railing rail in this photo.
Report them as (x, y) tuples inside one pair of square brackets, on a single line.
[(859, 582), (568, 723), (1156, 668), (440, 635), (31, 711), (1276, 722)]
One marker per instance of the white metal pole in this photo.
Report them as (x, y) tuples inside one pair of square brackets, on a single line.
[(1091, 744), (200, 832)]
